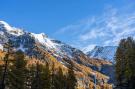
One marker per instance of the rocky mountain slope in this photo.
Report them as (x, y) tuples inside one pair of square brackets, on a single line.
[(103, 52), (43, 48)]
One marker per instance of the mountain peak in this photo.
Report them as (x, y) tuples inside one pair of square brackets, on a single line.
[(103, 52), (5, 25), (88, 48), (49, 51), (43, 39)]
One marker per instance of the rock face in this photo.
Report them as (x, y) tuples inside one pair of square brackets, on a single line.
[(25, 40), (46, 49), (106, 53)]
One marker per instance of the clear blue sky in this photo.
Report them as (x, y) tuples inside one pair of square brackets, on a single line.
[(65, 20)]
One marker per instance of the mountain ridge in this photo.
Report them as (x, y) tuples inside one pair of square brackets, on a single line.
[(44, 48), (103, 52)]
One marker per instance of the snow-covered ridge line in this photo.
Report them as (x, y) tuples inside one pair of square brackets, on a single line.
[(56, 47), (103, 52), (6, 25), (41, 38), (11, 30), (22, 38)]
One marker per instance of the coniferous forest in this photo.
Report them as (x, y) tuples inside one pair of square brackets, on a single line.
[(125, 64), (15, 73)]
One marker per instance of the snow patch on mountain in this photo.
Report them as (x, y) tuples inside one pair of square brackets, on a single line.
[(105, 52), (88, 48), (11, 30), (43, 39), (6, 26), (1, 47), (21, 48)]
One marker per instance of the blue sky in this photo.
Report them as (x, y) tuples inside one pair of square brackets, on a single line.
[(80, 23)]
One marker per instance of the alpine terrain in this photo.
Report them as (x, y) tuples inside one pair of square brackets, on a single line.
[(89, 70), (103, 52)]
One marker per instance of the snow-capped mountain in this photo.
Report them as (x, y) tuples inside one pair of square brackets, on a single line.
[(11, 30), (40, 46), (26, 41), (103, 52), (35, 44)]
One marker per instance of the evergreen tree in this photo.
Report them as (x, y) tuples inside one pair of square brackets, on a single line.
[(1, 71), (120, 58), (17, 75), (30, 76), (59, 80), (125, 61), (130, 63), (71, 79), (8, 47), (53, 77), (41, 77), (35, 81), (46, 76)]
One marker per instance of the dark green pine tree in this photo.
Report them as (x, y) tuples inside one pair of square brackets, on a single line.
[(36, 78), (17, 74), (42, 77), (53, 77), (1, 67), (46, 76), (59, 80), (125, 61), (30, 76), (62, 79), (120, 62), (130, 63), (71, 79), (4, 77), (132, 66), (1, 71)]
